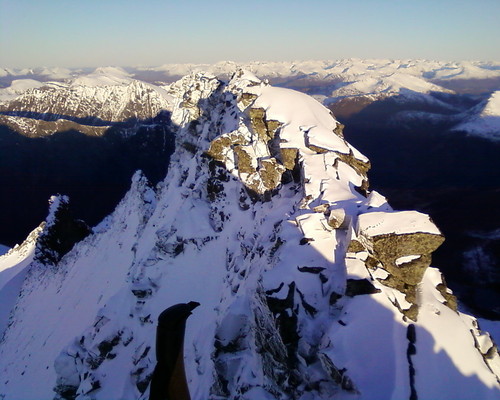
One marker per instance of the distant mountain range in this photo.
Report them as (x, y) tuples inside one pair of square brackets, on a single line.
[(346, 85)]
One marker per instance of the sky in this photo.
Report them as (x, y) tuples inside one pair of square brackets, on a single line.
[(91, 33)]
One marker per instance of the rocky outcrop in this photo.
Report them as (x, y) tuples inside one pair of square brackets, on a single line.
[(400, 243), (253, 150), (60, 232)]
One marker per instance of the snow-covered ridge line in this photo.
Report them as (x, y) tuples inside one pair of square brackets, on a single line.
[(266, 219), (314, 69), (347, 67), (417, 82), (90, 103)]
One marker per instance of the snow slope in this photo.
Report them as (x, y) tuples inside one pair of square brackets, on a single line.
[(266, 220), (103, 76), (386, 85), (486, 122), (13, 268), (18, 87)]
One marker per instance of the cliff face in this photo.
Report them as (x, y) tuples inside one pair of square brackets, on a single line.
[(310, 285)]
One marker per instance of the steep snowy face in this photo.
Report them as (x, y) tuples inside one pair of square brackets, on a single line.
[(90, 103), (13, 267), (310, 285), (485, 120)]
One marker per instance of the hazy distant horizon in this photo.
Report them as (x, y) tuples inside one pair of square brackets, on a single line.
[(127, 33), (132, 68)]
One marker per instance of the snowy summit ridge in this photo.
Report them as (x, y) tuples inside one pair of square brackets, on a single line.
[(310, 285)]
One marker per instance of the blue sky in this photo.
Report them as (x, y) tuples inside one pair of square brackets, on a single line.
[(74, 33)]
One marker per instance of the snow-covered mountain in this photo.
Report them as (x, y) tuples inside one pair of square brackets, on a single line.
[(311, 286), (419, 91), (17, 87), (347, 69), (484, 119), (90, 103), (42, 73), (425, 90)]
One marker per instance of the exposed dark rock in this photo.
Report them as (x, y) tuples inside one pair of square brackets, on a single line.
[(360, 166), (261, 176), (305, 240), (339, 130), (247, 99), (322, 208), (286, 318), (309, 308), (338, 375), (220, 146), (273, 291), (277, 244), (450, 299), (355, 246), (288, 157), (106, 346), (312, 270), (192, 148), (411, 312), (142, 293), (65, 392), (257, 120), (334, 297), (356, 287), (371, 262), (142, 384), (62, 231), (271, 173), (387, 249)]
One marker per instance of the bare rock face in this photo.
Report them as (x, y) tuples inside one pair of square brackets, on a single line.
[(404, 252)]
